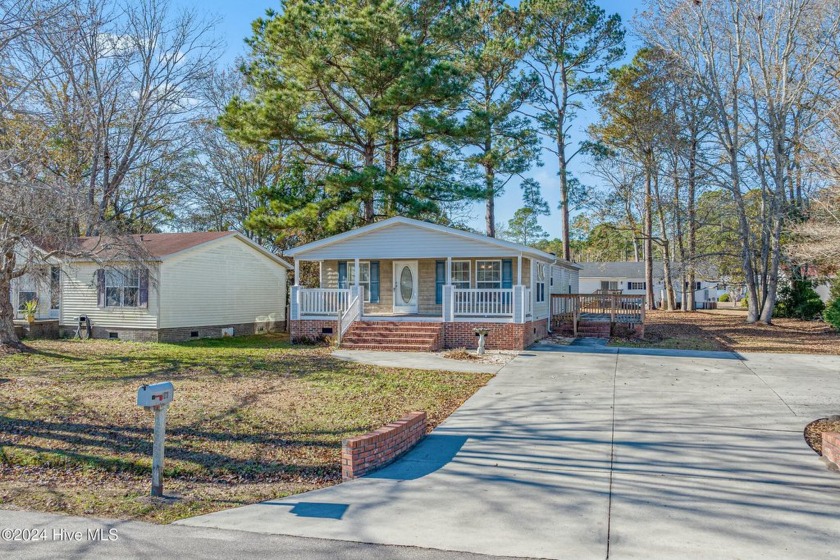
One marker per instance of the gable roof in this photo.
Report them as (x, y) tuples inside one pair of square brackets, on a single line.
[(514, 248), (619, 269), (162, 245), (158, 244)]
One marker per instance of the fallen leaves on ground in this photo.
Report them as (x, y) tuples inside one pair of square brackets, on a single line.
[(727, 329), (253, 418)]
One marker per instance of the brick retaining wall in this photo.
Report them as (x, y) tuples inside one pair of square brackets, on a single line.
[(361, 455), (831, 447)]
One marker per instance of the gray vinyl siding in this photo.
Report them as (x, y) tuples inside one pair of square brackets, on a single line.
[(401, 241)]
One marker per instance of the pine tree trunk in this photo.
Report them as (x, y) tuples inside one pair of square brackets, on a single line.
[(564, 200), (692, 224), (648, 241), (490, 210)]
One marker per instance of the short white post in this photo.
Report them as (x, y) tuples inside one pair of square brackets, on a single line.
[(157, 450), (157, 397)]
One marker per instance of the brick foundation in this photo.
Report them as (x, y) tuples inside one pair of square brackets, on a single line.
[(312, 329), (502, 336), (364, 454), (831, 447), (178, 334)]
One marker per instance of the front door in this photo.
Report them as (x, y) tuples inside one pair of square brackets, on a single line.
[(405, 286)]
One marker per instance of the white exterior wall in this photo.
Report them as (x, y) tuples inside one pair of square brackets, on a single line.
[(32, 283), (707, 292), (221, 283), (79, 297)]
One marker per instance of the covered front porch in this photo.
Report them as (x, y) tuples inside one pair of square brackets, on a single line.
[(398, 277), (429, 289)]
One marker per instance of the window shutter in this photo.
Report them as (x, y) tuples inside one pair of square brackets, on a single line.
[(144, 288), (374, 281), (342, 274), (440, 280), (507, 273), (100, 287)]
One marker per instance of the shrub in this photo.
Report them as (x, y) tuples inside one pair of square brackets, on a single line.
[(832, 314), (723, 297), (832, 310), (798, 300), (745, 302)]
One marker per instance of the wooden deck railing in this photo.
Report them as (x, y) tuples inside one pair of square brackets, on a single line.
[(615, 308)]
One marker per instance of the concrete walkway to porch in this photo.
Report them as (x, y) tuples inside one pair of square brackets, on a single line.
[(593, 453), (414, 360)]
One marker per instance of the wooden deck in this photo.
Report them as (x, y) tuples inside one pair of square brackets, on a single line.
[(572, 310)]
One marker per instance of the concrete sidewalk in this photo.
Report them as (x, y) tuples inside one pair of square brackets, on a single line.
[(578, 454)]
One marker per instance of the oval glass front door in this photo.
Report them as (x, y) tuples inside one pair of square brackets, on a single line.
[(406, 284)]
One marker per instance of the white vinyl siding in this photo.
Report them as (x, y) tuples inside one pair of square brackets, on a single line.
[(79, 297), (402, 241), (220, 283)]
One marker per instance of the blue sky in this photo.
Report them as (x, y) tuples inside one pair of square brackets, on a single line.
[(235, 25)]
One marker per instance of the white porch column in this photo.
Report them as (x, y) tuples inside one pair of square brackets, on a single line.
[(356, 271), (297, 272), (519, 269), (519, 303), (448, 270), (448, 303), (294, 302)]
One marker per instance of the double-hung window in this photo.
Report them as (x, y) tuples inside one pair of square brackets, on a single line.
[(636, 285), (488, 274), (364, 277), (122, 288), (461, 274), (540, 287)]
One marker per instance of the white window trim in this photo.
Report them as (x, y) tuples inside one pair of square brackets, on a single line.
[(541, 272), (484, 281), (469, 273), (124, 272), (350, 282)]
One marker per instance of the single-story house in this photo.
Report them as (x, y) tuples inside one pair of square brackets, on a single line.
[(629, 278), (190, 285), (404, 284)]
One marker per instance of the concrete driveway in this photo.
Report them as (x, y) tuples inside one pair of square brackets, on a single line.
[(598, 453)]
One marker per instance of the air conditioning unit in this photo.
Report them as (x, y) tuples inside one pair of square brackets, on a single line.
[(228, 331)]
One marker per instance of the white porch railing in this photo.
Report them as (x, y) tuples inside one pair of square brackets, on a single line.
[(321, 301), (483, 302), (352, 313)]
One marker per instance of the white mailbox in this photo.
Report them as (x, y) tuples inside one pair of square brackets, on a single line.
[(156, 394)]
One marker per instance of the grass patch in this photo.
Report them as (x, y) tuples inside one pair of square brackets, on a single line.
[(253, 418)]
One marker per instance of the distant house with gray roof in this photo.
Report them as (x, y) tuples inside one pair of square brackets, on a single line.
[(629, 278)]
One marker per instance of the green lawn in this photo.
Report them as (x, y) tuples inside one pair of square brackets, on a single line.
[(253, 418)]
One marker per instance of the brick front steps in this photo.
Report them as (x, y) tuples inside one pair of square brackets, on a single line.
[(394, 336)]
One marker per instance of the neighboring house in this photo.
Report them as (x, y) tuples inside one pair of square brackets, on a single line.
[(629, 278), (404, 284), (44, 286), (193, 285)]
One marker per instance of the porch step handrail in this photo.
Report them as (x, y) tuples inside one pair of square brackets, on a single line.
[(323, 301), (483, 302), (349, 316)]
